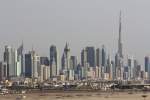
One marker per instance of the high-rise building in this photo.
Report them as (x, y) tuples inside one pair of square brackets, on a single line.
[(13, 62), (103, 56), (83, 71), (28, 65), (118, 67), (54, 60), (99, 62), (44, 61), (73, 67), (108, 66), (8, 59), (18, 64), (20, 54), (73, 62), (113, 70), (147, 67), (3, 71), (53, 69), (120, 40), (130, 68), (32, 65), (98, 57), (135, 69), (103, 61), (119, 55), (147, 63), (138, 72), (126, 73), (83, 57), (44, 73), (91, 56), (66, 62), (78, 73), (66, 58)]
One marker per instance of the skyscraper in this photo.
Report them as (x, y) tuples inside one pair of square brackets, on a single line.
[(147, 67), (108, 66), (147, 63), (28, 65), (103, 61), (53, 69), (103, 56), (66, 62), (44, 61), (120, 40), (98, 57), (119, 55), (12, 60), (44, 67), (3, 71), (54, 60), (8, 59), (83, 57), (83, 68), (91, 56), (18, 63), (117, 72), (32, 65), (113, 70), (130, 68), (138, 72), (73, 62), (20, 54), (66, 58), (135, 71)]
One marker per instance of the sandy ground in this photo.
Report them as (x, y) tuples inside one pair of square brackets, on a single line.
[(78, 96)]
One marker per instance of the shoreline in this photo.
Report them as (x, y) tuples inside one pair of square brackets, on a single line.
[(79, 96)]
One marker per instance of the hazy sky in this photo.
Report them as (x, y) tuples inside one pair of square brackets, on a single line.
[(42, 23)]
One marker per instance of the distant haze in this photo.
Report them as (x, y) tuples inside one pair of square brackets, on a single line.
[(41, 23)]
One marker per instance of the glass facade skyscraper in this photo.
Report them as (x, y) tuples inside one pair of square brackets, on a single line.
[(91, 56)]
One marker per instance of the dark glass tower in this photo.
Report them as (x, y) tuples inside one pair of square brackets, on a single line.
[(91, 56), (147, 63)]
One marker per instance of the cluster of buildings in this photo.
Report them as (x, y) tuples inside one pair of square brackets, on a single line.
[(95, 64)]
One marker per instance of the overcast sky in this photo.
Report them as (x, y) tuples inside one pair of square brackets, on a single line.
[(42, 23)]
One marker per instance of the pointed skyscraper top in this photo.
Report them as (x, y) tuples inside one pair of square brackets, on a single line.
[(20, 49), (120, 26), (67, 47), (120, 40)]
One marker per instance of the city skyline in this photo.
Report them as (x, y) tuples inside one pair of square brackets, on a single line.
[(74, 49), (95, 63), (96, 29)]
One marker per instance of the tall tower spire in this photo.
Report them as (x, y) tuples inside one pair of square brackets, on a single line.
[(120, 40)]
